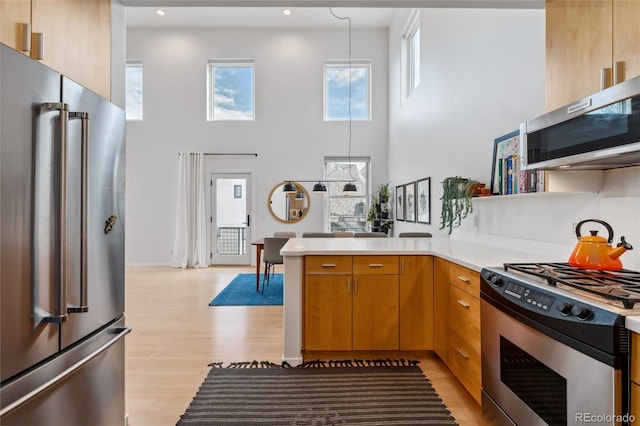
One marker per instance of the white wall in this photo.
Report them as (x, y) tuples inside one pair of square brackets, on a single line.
[(289, 134), (483, 74)]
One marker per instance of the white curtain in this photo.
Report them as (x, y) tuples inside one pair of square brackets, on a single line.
[(190, 240)]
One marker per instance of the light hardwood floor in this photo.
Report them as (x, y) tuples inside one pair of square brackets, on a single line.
[(176, 335)]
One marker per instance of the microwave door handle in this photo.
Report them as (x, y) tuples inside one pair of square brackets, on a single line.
[(60, 314), (84, 189)]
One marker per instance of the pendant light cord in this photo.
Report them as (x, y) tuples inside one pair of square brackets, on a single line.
[(347, 18)]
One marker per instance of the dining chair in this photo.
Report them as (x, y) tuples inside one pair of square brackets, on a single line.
[(343, 234), (370, 235), (285, 234), (272, 257), (318, 235), (415, 235)]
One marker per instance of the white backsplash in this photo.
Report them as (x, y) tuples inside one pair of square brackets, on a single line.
[(545, 223)]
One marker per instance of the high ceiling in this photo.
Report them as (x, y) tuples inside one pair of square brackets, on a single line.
[(305, 13)]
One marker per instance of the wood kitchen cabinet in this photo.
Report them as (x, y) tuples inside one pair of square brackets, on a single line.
[(76, 37), (457, 323), (635, 375), (13, 14), (416, 303), (440, 307), (351, 303), (590, 45)]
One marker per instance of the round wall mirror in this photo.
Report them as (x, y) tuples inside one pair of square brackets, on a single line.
[(288, 207)]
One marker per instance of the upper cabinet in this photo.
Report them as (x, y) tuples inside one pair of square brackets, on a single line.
[(591, 45), (76, 37), (14, 14)]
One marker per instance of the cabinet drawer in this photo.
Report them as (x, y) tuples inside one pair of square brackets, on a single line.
[(465, 363), (465, 279), (464, 316), (328, 265), (635, 357), (371, 265)]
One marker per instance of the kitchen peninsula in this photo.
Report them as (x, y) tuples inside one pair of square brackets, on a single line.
[(467, 254)]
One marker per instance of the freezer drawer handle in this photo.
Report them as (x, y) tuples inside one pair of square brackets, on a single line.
[(61, 308), (122, 331), (84, 144)]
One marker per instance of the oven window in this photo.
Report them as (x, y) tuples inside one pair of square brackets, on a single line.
[(538, 386)]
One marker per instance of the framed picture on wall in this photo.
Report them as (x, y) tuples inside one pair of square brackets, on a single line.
[(410, 203), (400, 202), (423, 200)]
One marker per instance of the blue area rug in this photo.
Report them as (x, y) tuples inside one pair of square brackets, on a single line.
[(242, 292)]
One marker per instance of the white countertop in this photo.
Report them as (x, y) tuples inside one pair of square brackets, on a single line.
[(471, 254)]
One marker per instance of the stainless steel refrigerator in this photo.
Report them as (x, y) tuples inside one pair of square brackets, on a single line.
[(62, 170)]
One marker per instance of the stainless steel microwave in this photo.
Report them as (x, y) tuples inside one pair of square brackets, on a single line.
[(601, 131)]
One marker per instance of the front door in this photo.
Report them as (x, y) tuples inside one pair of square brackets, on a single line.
[(230, 219)]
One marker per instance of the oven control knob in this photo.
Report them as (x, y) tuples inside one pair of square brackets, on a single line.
[(495, 280), (582, 312), (565, 308)]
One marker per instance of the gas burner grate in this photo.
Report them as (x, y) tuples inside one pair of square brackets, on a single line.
[(622, 285)]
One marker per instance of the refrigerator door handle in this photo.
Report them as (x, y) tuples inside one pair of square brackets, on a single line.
[(84, 278), (61, 307), (123, 331)]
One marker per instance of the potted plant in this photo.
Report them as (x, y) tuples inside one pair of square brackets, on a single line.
[(456, 201), (384, 193)]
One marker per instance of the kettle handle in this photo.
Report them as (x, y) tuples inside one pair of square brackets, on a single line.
[(601, 222)]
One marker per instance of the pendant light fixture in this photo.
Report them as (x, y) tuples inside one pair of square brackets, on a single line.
[(319, 187), (289, 188), (349, 186)]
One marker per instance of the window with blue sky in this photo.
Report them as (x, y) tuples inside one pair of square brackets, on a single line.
[(230, 94), (337, 102), (133, 82)]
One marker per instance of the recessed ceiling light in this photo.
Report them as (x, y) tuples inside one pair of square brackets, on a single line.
[(287, 12), (159, 12)]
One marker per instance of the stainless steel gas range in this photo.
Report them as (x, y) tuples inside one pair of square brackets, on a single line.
[(555, 350)]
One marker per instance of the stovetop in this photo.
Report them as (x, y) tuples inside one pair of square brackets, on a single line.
[(618, 288)]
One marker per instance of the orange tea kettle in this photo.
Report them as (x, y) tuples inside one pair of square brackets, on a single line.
[(595, 252)]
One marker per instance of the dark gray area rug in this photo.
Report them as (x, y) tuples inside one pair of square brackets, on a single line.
[(342, 393)]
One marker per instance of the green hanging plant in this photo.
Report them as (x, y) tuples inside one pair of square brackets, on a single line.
[(456, 201)]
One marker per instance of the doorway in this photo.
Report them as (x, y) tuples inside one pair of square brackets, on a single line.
[(230, 219)]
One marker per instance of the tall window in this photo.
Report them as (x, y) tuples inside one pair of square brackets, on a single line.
[(133, 82), (347, 211), (411, 53), (336, 90), (230, 90)]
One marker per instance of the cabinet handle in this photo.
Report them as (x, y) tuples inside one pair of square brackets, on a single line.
[(604, 78), (402, 267), (463, 304), (618, 72), (355, 286), (37, 46), (376, 265), (462, 353), (328, 265), (463, 279), (349, 286)]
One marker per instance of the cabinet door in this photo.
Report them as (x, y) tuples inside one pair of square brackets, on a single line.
[(12, 14), (440, 307), (626, 38), (416, 303), (635, 400), (327, 312), (77, 40), (579, 38), (375, 312)]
